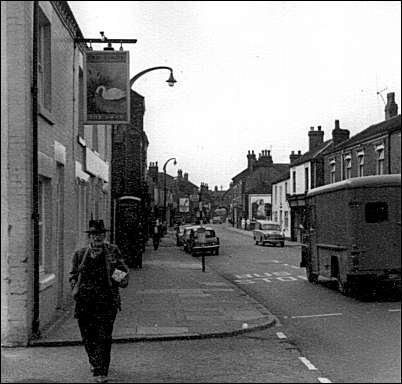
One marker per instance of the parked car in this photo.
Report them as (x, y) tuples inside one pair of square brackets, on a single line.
[(217, 220), (266, 231), (187, 233), (194, 246)]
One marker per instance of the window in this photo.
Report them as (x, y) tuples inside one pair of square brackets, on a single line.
[(286, 223), (380, 160), (294, 181), (360, 164), (332, 174), (44, 196), (276, 194), (376, 212), (348, 167), (286, 188), (280, 194), (44, 62), (306, 179), (81, 103)]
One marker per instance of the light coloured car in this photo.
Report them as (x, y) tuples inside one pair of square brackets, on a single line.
[(266, 231)]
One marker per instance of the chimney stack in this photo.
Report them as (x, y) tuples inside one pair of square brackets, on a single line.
[(179, 173), (186, 176), (293, 156), (153, 171), (339, 135), (251, 160), (316, 138), (391, 108)]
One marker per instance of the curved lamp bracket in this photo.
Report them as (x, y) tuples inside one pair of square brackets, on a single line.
[(170, 81)]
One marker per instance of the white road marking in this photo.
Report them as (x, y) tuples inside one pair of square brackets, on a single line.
[(281, 335), (394, 310), (323, 315), (302, 277), (324, 380), (307, 363), (286, 278), (286, 264), (294, 267), (275, 261)]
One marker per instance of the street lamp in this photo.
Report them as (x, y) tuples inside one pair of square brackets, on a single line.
[(171, 80), (164, 186)]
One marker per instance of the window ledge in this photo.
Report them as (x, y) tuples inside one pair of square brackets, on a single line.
[(46, 281), (46, 114)]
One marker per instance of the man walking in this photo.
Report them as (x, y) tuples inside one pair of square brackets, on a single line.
[(98, 271)]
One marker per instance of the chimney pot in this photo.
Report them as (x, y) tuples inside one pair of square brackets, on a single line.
[(299, 152), (319, 127), (337, 124), (311, 128)]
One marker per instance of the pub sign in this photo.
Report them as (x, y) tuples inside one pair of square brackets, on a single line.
[(106, 87)]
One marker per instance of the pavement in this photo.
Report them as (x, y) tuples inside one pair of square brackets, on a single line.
[(172, 298)]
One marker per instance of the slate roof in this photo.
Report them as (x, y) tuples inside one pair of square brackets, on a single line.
[(373, 130), (312, 154)]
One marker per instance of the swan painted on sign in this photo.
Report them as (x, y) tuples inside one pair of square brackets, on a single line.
[(110, 93)]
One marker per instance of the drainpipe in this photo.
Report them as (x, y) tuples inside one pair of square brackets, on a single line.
[(35, 180)]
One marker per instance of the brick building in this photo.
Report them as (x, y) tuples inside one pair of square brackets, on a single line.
[(73, 164), (307, 172), (129, 166), (256, 179), (374, 151)]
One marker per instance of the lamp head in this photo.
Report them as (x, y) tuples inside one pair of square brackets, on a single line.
[(171, 80), (174, 162)]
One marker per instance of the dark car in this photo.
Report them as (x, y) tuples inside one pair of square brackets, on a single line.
[(208, 242)]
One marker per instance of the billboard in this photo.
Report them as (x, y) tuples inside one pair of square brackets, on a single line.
[(106, 87), (260, 207), (184, 204)]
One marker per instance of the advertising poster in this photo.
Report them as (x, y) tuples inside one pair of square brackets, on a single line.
[(260, 207), (184, 204), (106, 87)]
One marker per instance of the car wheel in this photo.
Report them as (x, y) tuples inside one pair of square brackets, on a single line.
[(217, 252), (282, 244)]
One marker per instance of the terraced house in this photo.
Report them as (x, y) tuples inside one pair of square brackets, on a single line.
[(55, 170)]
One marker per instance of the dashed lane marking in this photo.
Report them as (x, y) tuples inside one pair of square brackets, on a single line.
[(324, 380), (307, 363), (323, 315), (281, 335), (394, 310), (302, 277)]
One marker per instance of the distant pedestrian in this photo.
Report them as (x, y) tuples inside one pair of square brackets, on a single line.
[(243, 223), (156, 234), (247, 224), (98, 271)]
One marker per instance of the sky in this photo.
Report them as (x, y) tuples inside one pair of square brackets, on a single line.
[(251, 75)]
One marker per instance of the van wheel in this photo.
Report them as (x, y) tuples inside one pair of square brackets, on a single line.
[(311, 277), (282, 244)]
